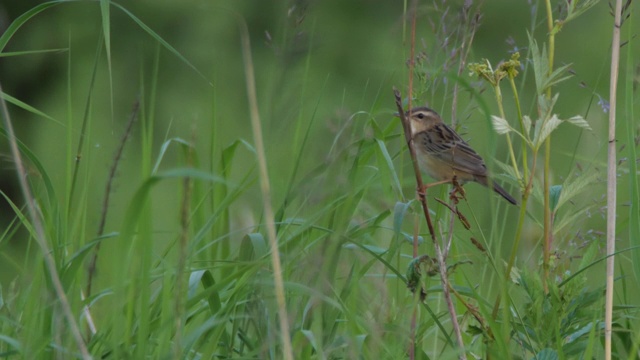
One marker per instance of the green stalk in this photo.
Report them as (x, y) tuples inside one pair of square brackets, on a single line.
[(514, 163), (547, 158), (526, 181), (525, 165)]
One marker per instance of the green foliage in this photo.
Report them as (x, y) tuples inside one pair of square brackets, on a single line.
[(196, 282), (557, 323)]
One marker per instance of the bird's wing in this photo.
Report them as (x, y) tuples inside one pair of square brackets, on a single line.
[(444, 144)]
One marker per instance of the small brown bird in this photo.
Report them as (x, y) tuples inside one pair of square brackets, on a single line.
[(443, 154)]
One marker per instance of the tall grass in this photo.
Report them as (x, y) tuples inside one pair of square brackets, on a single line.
[(193, 262)]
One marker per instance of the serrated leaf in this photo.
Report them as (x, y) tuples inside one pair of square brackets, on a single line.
[(508, 171), (540, 65), (526, 120), (570, 219), (589, 255), (555, 78), (580, 122), (579, 183), (547, 128), (546, 105), (578, 7), (500, 125)]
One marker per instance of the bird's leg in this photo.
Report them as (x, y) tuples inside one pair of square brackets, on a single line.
[(457, 189), (422, 190)]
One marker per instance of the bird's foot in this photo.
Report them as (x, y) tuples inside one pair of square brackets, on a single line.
[(457, 192)]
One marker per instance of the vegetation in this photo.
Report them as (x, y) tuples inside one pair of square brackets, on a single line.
[(229, 181)]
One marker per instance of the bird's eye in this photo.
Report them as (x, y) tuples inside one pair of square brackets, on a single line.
[(420, 116)]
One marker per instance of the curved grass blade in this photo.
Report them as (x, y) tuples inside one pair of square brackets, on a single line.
[(163, 42)]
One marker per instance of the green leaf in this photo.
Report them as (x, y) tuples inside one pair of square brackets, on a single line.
[(163, 150), (32, 52), (540, 64), (579, 183), (77, 260), (576, 8), (544, 80), (546, 130), (501, 125), (390, 169), (29, 108), (312, 339), (579, 121), (527, 124), (162, 42), (260, 247), (208, 282), (12, 343), (399, 212), (555, 77), (22, 19), (38, 165), (106, 31), (546, 354), (508, 171), (576, 335), (546, 105)]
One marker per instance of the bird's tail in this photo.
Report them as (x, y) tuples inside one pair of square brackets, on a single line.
[(497, 188), (504, 194)]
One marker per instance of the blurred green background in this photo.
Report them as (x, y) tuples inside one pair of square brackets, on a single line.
[(325, 60), (326, 65)]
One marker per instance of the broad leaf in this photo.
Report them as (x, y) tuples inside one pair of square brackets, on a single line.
[(580, 122), (501, 125), (546, 129)]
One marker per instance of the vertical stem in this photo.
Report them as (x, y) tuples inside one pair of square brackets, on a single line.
[(525, 165), (412, 47), (611, 179), (179, 306), (287, 351), (547, 159), (414, 7), (514, 163), (40, 234), (425, 209)]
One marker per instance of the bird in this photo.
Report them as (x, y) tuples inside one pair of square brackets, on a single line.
[(444, 155)]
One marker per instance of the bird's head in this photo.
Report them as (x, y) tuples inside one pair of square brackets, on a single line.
[(422, 118)]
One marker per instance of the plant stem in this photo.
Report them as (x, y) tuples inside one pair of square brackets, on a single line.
[(547, 159), (514, 163), (425, 209), (611, 179), (40, 234), (287, 351), (525, 165), (412, 49)]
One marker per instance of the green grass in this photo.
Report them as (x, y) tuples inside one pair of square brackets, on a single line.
[(184, 267)]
